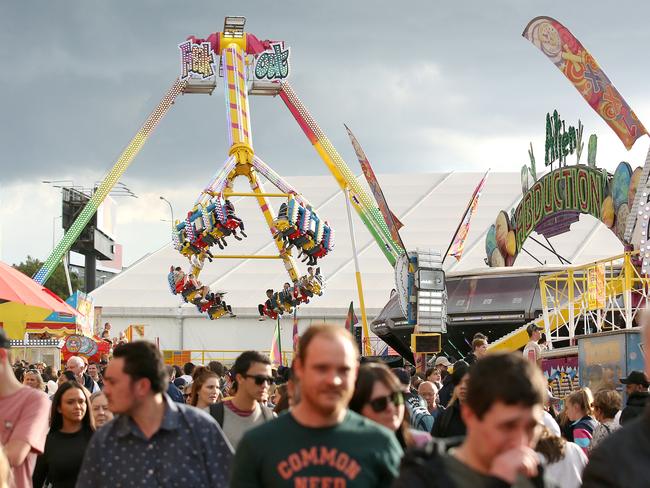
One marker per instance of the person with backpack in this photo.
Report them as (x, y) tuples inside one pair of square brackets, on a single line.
[(416, 406), (503, 414), (251, 374)]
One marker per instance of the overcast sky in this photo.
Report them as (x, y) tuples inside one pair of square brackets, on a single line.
[(425, 85)]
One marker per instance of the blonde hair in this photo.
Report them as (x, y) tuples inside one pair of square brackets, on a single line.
[(37, 375), (608, 402), (582, 398)]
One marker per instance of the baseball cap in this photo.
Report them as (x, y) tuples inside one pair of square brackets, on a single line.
[(636, 378), (4, 340), (532, 328), (441, 360)]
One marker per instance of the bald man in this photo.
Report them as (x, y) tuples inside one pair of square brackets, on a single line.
[(77, 366), (621, 459), (429, 392)]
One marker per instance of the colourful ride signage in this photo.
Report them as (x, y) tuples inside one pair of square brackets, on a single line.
[(196, 60), (273, 64), (577, 188), (559, 141), (556, 201)]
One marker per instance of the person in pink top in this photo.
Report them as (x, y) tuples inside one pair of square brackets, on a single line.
[(24, 418)]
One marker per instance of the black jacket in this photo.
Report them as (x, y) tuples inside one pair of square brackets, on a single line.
[(621, 460), (447, 390), (634, 406), (425, 468), (449, 423)]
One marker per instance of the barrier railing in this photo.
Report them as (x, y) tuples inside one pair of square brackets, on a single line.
[(204, 356)]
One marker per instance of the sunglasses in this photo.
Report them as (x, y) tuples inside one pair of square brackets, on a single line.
[(259, 379), (380, 404)]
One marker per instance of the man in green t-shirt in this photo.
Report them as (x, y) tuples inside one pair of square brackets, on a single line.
[(503, 414), (319, 442)]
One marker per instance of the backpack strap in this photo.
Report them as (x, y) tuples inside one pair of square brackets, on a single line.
[(216, 410), (267, 413)]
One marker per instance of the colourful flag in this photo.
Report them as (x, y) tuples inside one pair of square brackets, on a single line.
[(393, 223), (276, 346), (351, 319), (458, 243), (296, 337), (570, 56)]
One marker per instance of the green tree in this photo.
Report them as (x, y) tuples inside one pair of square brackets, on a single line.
[(57, 282)]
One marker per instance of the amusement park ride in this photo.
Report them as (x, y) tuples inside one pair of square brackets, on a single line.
[(250, 66), (601, 296)]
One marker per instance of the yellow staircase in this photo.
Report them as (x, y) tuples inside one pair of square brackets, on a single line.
[(519, 337), (573, 286)]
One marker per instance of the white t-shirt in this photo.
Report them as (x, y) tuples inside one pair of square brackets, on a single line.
[(567, 472), (550, 423), (533, 351)]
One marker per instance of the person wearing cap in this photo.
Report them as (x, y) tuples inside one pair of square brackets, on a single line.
[(442, 364), (533, 351), (636, 387), (444, 394), (24, 420)]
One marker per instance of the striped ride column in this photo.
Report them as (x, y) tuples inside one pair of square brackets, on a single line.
[(237, 111), (106, 186), (267, 211), (364, 204)]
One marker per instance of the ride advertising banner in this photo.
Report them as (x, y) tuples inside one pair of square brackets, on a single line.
[(596, 286), (581, 69)]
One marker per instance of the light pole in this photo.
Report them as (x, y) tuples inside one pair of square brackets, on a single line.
[(171, 209)]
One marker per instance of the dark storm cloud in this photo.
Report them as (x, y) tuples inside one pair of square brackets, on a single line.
[(80, 76)]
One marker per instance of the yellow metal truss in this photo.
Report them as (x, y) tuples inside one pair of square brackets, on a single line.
[(603, 295)]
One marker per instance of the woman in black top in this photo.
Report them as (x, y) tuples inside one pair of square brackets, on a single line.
[(450, 423), (71, 426)]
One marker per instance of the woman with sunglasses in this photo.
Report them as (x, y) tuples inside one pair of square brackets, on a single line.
[(71, 427), (378, 396), (205, 389)]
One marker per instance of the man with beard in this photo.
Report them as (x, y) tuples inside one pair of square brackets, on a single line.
[(319, 442)]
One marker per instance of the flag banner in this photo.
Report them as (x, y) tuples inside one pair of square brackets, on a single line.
[(276, 346), (393, 223), (458, 244), (351, 320), (577, 64), (296, 337)]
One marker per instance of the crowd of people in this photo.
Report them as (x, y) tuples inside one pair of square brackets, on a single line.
[(330, 420)]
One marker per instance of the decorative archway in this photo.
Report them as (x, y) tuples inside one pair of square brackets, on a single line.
[(556, 200)]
